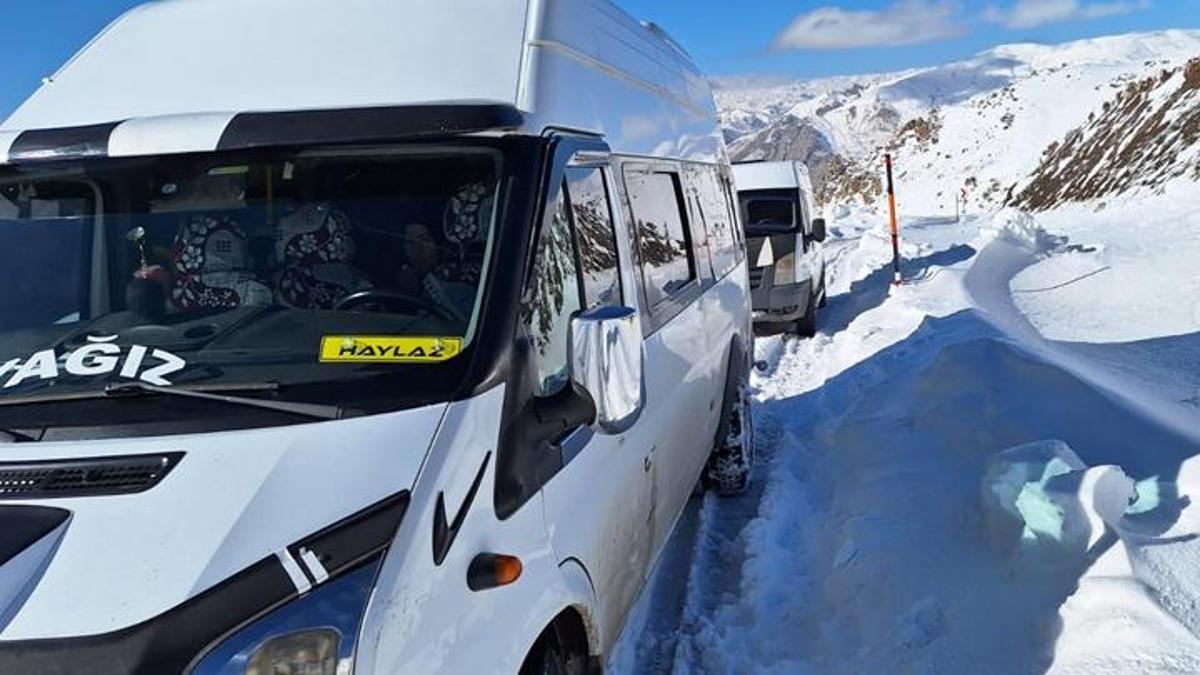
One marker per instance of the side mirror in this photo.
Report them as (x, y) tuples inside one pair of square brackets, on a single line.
[(606, 362), (818, 229)]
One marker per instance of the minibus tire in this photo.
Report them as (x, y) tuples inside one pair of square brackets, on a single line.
[(807, 326), (728, 470), (549, 658)]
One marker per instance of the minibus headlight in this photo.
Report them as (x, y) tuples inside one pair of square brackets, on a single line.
[(310, 652), (314, 634), (785, 269)]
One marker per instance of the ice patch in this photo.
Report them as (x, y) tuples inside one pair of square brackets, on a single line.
[(1040, 498)]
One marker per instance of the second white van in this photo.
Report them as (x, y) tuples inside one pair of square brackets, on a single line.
[(784, 239)]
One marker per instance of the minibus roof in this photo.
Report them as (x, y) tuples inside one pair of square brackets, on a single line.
[(771, 175), (171, 75)]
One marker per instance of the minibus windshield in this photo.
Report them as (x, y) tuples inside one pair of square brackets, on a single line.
[(294, 267), (767, 212)]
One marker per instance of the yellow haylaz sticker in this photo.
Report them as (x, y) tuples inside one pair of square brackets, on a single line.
[(385, 349)]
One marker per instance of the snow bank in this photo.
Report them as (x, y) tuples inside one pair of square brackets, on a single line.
[(1022, 230), (905, 522), (1132, 277)]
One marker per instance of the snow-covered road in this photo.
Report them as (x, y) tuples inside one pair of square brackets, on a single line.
[(891, 529)]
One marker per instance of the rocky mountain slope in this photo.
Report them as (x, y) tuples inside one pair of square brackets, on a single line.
[(1028, 125)]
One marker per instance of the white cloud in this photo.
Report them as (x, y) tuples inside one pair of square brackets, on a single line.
[(1033, 13), (902, 23)]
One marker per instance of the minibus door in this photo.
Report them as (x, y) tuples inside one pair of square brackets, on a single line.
[(598, 506), (678, 371)]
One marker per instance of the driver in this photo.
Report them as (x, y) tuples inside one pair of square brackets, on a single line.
[(425, 271), (447, 271)]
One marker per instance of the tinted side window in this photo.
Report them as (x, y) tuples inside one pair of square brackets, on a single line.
[(738, 236), (721, 230), (555, 300), (596, 238), (663, 240)]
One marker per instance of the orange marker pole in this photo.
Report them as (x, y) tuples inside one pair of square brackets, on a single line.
[(895, 229)]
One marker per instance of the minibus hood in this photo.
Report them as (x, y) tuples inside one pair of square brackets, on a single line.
[(765, 250), (97, 563)]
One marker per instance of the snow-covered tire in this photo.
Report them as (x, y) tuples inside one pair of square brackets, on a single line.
[(822, 294), (807, 326), (729, 466), (549, 658)]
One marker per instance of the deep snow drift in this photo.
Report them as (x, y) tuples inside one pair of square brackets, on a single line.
[(994, 468), (944, 489)]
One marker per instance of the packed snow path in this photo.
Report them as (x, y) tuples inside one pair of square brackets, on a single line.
[(891, 528)]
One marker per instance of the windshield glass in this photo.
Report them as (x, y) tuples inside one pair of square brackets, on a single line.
[(213, 270), (768, 211)]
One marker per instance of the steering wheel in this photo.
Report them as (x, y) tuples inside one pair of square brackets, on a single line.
[(393, 299)]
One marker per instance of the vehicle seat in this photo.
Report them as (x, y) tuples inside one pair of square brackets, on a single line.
[(465, 225), (314, 245), (213, 266)]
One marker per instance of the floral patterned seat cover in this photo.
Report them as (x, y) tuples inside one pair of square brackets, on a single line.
[(315, 246), (464, 225), (213, 266)]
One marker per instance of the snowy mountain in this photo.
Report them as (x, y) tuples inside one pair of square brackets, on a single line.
[(1002, 125)]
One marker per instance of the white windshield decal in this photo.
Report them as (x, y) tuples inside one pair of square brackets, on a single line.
[(101, 356)]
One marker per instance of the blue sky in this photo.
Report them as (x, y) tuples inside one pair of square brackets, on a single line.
[(801, 38)]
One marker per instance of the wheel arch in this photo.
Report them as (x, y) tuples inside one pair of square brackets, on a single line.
[(737, 371)]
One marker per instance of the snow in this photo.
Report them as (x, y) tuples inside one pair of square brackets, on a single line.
[(957, 475), (1120, 273), (942, 488), (994, 467)]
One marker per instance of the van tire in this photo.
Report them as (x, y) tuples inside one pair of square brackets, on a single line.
[(807, 326), (728, 470), (550, 658)]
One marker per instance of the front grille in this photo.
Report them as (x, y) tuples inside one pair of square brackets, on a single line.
[(756, 276), (56, 479)]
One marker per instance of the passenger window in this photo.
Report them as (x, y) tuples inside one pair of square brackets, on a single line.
[(555, 301), (595, 236), (720, 227), (738, 236), (663, 240)]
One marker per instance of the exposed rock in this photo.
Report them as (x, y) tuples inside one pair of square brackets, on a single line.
[(1146, 136)]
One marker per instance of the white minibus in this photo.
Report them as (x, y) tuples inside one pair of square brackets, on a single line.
[(360, 336)]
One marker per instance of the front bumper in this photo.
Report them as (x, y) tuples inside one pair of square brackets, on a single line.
[(786, 302)]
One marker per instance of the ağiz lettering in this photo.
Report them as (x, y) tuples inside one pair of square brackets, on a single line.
[(100, 356)]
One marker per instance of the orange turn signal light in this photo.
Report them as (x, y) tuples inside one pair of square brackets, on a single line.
[(491, 570)]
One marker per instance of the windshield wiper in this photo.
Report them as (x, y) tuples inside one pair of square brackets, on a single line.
[(325, 412)]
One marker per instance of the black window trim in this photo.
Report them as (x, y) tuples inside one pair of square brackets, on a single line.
[(523, 463)]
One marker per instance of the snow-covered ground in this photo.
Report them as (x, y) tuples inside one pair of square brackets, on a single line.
[(994, 468)]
